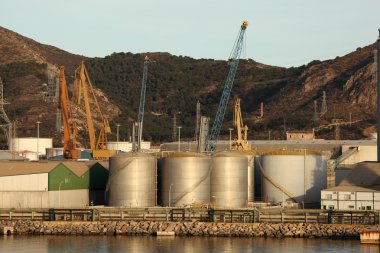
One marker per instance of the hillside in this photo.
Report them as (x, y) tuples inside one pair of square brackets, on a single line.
[(175, 83), (24, 68)]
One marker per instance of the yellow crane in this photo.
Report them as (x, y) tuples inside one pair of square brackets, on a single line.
[(84, 86), (70, 150), (241, 142)]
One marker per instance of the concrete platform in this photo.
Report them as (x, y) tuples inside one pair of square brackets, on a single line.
[(370, 235)]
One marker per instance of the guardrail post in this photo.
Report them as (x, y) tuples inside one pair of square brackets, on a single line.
[(282, 216), (32, 215), (256, 216), (10, 215), (329, 220), (305, 217), (211, 217)]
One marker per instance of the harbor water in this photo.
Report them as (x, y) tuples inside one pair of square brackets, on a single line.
[(145, 244)]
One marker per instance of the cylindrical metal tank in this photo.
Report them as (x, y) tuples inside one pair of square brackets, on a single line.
[(229, 184), (293, 176), (185, 179), (251, 173), (132, 180)]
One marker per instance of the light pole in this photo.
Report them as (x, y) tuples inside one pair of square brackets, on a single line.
[(117, 136), (59, 191), (179, 138), (230, 136), (170, 193), (38, 139)]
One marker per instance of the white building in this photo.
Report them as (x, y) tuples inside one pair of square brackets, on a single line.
[(360, 190), (31, 147)]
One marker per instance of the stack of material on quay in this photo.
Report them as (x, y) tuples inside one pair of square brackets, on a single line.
[(52, 184), (360, 190)]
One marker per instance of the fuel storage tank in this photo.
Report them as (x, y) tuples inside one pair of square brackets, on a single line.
[(297, 176), (229, 183), (250, 173), (132, 180), (184, 179)]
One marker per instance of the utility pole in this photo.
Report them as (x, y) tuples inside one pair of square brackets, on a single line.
[(175, 126), (117, 136), (38, 139), (179, 138), (315, 116), (230, 136), (7, 126), (197, 120), (324, 104)]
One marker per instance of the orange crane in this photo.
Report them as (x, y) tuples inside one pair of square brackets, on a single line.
[(241, 142), (98, 146), (70, 150)]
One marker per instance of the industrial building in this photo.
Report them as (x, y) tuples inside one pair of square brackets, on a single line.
[(30, 147), (360, 190), (52, 184)]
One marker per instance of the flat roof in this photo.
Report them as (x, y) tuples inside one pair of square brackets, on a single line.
[(352, 188)]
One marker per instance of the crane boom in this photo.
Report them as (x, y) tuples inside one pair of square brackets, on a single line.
[(234, 60), (140, 119)]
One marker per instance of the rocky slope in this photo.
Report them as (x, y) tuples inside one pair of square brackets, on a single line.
[(25, 66), (176, 83)]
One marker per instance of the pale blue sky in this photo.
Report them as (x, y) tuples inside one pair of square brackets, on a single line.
[(281, 32)]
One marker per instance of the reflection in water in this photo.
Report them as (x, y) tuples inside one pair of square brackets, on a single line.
[(145, 244)]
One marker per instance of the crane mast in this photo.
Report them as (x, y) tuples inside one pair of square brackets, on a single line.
[(241, 142), (70, 150), (140, 119), (234, 62), (84, 86)]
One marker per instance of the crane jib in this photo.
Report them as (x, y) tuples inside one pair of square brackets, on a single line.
[(218, 121)]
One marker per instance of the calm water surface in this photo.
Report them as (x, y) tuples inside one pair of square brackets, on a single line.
[(145, 244)]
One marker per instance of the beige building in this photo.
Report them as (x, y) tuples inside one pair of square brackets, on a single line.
[(299, 135), (360, 190)]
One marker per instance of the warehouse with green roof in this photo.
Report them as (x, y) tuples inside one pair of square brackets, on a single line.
[(52, 184)]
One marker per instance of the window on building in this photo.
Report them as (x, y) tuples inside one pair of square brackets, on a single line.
[(368, 208), (331, 207), (324, 207), (328, 196), (347, 196), (351, 207)]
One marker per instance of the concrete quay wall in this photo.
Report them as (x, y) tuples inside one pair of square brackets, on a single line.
[(278, 230)]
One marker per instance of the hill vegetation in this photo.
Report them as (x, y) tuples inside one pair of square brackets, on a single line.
[(176, 83)]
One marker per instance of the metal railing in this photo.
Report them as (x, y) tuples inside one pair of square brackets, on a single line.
[(206, 214)]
